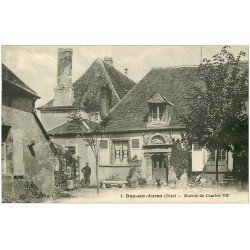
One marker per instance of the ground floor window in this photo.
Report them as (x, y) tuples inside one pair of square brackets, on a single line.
[(71, 149), (222, 163), (120, 152)]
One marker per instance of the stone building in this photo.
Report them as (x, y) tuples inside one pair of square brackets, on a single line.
[(27, 152), (101, 82), (144, 123)]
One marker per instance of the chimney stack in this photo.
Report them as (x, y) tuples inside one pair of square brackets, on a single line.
[(109, 60), (63, 92), (64, 68)]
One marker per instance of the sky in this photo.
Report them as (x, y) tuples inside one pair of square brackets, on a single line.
[(36, 66)]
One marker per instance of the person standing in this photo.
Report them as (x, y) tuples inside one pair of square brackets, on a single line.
[(86, 173)]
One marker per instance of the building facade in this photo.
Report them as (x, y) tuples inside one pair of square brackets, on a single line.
[(101, 82), (27, 152), (145, 123)]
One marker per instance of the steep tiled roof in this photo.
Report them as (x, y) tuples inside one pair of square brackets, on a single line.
[(100, 74), (173, 83), (158, 98), (9, 77), (71, 127), (121, 82)]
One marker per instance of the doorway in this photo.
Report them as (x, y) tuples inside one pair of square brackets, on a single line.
[(159, 168)]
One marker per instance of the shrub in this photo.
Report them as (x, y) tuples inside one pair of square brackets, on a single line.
[(113, 178)]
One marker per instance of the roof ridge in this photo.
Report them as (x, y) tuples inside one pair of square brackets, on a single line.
[(177, 66), (128, 92), (24, 86), (118, 71), (109, 78)]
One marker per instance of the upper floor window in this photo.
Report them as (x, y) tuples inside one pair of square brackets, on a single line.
[(160, 110), (158, 113)]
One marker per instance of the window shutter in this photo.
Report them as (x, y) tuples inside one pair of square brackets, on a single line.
[(18, 166), (112, 153)]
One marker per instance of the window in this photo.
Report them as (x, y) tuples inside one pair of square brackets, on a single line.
[(103, 144), (157, 113), (71, 149), (120, 153), (135, 143), (161, 112), (222, 163)]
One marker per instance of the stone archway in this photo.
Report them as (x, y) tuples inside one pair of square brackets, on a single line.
[(159, 168)]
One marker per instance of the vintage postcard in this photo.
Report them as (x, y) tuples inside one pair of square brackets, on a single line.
[(124, 124)]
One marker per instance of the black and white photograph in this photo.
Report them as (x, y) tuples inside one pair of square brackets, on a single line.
[(126, 124)]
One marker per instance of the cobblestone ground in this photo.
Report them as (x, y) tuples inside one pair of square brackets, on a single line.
[(157, 195)]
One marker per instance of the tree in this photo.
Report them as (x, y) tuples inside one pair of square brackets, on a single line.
[(91, 107), (217, 108), (180, 157)]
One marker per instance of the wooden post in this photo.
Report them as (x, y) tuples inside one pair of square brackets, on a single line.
[(97, 168), (217, 166)]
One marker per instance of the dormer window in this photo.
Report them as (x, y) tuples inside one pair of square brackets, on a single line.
[(160, 110)]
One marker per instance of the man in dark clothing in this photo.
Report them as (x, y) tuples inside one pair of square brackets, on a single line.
[(86, 173)]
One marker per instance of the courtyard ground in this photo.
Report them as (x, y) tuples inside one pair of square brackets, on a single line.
[(156, 195)]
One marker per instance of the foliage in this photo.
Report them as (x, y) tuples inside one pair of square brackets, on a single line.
[(134, 174), (218, 104), (91, 106), (31, 194), (67, 169), (113, 178), (180, 157), (142, 181), (217, 116)]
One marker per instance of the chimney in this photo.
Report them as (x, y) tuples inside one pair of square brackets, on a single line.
[(64, 70), (109, 60), (64, 95)]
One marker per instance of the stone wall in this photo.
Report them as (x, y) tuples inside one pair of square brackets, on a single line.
[(38, 168)]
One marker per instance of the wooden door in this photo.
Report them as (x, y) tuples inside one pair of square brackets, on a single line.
[(159, 168)]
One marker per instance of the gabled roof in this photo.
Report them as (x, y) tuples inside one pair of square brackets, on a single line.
[(71, 127), (121, 82), (158, 98), (99, 74), (173, 83), (10, 78)]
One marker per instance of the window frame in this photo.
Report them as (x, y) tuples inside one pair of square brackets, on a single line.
[(157, 113), (222, 163), (121, 152)]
